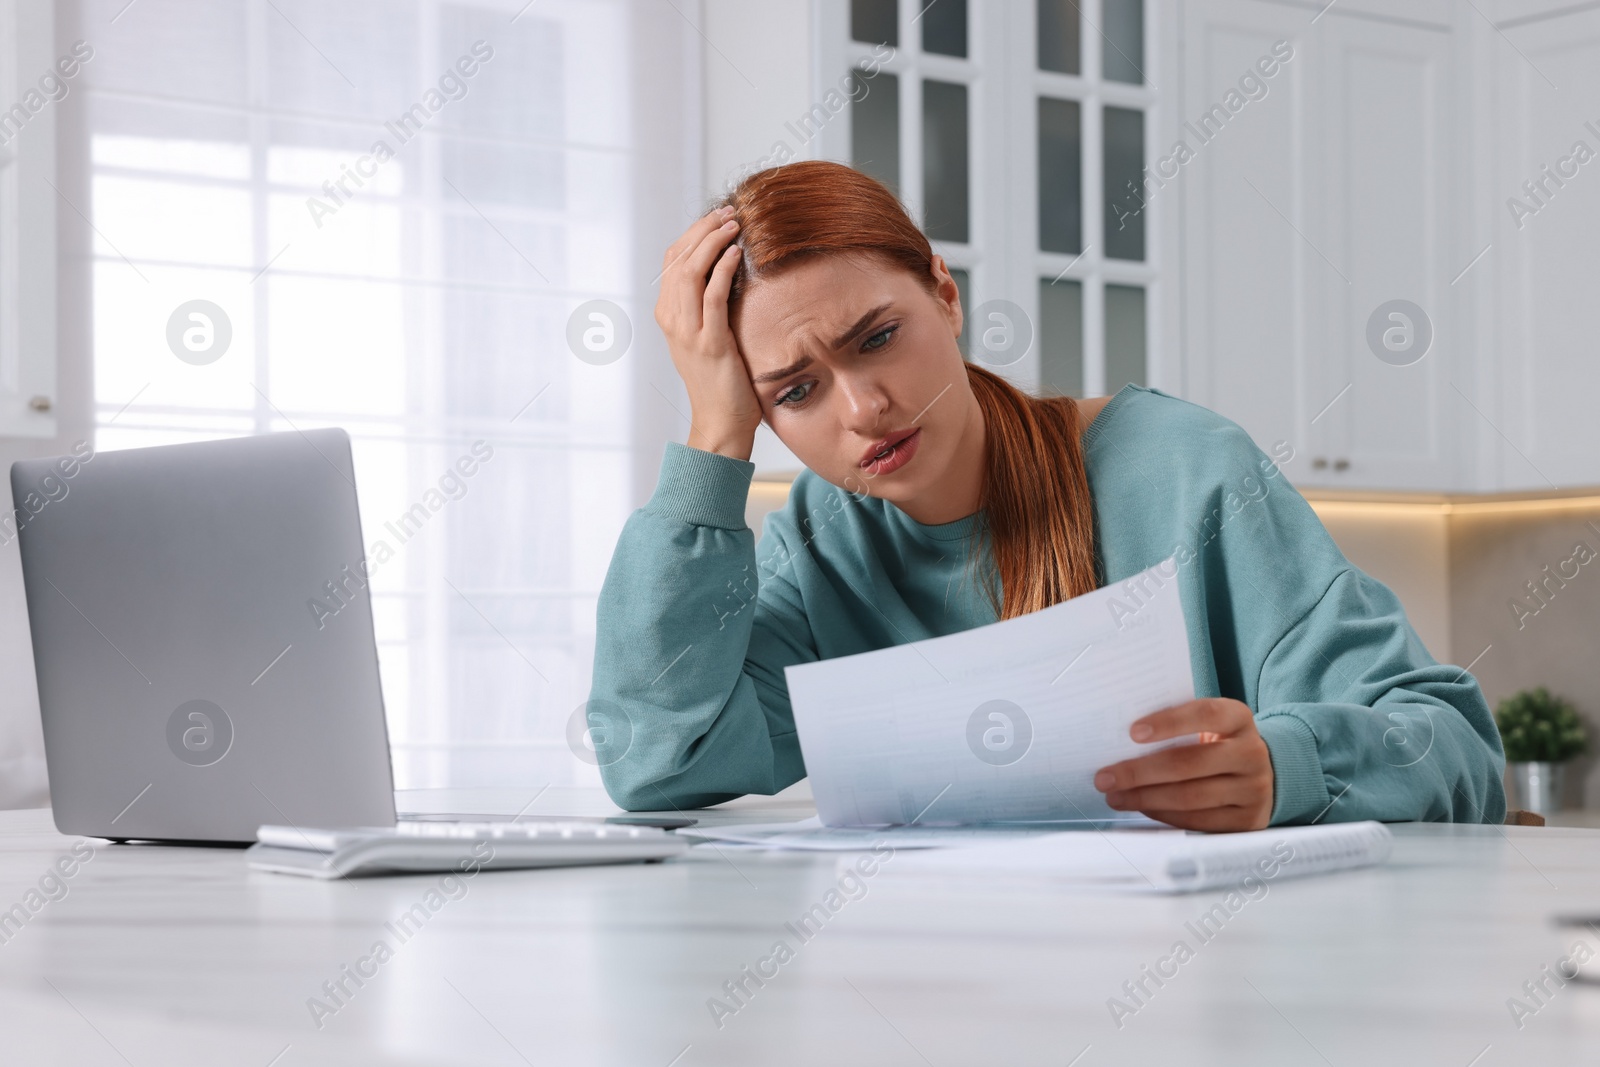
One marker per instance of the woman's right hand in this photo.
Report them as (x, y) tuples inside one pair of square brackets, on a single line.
[(693, 313)]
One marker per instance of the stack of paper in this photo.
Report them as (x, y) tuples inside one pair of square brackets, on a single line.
[(809, 835)]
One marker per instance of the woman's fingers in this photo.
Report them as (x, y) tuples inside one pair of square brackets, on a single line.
[(1194, 794), (692, 311), (1170, 765), (1209, 714), (686, 280), (690, 275), (690, 237), (700, 243), (715, 304), (699, 263), (1229, 771)]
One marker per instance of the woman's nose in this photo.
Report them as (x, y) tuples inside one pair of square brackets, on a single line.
[(865, 404)]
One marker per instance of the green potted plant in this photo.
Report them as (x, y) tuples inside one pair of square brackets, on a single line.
[(1540, 732)]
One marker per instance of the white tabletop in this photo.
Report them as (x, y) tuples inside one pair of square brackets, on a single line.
[(164, 955)]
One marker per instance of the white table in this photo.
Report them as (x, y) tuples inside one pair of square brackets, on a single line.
[(161, 955)]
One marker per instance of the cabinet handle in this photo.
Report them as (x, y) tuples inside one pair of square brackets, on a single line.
[(40, 403), (1319, 464), (1341, 464)]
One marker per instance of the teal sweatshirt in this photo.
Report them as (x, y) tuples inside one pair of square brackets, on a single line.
[(696, 623)]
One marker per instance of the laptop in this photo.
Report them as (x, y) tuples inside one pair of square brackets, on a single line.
[(203, 639)]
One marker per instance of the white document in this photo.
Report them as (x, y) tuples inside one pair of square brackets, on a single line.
[(809, 835), (1005, 722)]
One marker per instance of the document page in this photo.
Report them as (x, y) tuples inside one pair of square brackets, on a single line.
[(809, 835), (1005, 722)]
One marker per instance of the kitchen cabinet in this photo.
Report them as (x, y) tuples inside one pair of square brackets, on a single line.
[(1543, 370), (1384, 163), (27, 239)]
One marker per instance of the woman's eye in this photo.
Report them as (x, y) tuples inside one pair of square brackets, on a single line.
[(884, 334), (797, 394)]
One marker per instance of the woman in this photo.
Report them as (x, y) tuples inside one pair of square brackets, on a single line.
[(938, 497)]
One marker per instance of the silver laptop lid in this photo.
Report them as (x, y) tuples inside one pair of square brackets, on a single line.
[(190, 687)]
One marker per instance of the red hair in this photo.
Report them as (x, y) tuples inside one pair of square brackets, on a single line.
[(1036, 505)]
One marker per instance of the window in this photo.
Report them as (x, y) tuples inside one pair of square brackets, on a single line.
[(383, 216), (1093, 271), (1017, 135), (909, 128)]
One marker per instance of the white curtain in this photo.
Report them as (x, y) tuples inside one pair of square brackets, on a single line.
[(397, 205)]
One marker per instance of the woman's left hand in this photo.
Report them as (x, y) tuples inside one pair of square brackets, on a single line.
[(1222, 783)]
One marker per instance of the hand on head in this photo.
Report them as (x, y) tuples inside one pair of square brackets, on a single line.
[(693, 313)]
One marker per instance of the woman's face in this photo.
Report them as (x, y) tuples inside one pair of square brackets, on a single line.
[(858, 373)]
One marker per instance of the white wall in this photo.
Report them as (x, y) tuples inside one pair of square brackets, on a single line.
[(1409, 551)]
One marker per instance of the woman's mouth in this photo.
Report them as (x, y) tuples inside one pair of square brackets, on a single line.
[(892, 453)]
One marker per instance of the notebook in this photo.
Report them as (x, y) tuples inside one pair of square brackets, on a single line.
[(1164, 861)]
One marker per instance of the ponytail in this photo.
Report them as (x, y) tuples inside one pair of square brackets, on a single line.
[(1036, 504)]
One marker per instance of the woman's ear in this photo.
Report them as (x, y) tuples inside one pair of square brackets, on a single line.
[(948, 295)]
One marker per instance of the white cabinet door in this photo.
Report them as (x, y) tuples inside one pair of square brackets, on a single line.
[(1315, 205), (27, 239), (1381, 146), (1543, 366), (1241, 312)]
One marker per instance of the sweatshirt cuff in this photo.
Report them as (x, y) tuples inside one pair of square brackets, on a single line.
[(1298, 789), (702, 488)]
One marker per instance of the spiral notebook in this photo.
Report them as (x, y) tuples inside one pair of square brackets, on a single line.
[(1164, 861)]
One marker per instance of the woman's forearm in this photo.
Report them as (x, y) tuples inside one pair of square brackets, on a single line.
[(697, 721)]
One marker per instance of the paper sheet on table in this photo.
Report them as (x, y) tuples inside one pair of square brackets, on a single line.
[(1005, 722), (809, 835)]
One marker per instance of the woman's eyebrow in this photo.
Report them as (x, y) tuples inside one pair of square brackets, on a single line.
[(805, 361), (861, 324), (783, 372)]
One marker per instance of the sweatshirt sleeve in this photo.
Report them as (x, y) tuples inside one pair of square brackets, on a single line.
[(691, 642), (1362, 723)]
